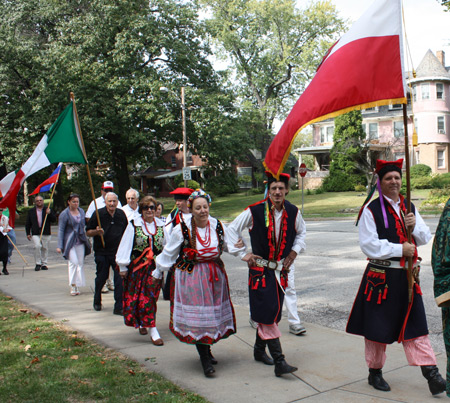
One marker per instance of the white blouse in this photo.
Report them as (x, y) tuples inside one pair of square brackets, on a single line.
[(126, 244), (166, 259)]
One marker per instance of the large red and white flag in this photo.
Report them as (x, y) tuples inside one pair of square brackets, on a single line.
[(362, 70)]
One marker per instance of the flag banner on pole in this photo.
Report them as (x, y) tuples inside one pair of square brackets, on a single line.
[(362, 70), (61, 143), (48, 184)]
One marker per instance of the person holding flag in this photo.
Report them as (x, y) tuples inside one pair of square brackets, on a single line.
[(37, 228), (382, 312), (4, 229)]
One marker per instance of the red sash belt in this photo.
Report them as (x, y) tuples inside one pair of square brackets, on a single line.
[(147, 253)]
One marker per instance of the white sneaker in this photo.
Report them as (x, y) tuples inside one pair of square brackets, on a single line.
[(73, 290), (110, 285), (253, 324), (297, 329), (105, 289), (77, 290)]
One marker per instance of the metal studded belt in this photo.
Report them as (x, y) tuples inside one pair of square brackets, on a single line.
[(393, 264), (270, 264)]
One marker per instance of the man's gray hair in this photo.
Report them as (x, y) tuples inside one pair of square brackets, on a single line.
[(132, 190), (111, 194)]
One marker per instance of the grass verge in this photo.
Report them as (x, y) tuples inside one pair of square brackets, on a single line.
[(43, 360)]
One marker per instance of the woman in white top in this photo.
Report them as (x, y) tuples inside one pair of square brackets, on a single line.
[(201, 309), (141, 242)]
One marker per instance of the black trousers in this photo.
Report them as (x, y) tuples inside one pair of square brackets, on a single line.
[(104, 263)]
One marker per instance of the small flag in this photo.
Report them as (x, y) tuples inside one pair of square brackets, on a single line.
[(48, 184)]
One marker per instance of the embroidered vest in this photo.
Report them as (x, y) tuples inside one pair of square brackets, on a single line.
[(187, 257), (259, 231), (142, 241)]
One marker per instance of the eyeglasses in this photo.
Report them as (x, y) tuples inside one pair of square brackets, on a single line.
[(152, 207)]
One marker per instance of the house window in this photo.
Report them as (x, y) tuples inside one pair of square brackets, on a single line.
[(441, 124), (414, 93), (326, 134), (441, 159), (417, 157), (373, 131), (425, 89), (395, 107), (399, 130), (174, 162), (371, 110), (189, 158), (439, 91)]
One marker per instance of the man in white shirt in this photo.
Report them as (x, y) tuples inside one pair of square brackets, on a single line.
[(131, 209), (277, 234), (383, 312)]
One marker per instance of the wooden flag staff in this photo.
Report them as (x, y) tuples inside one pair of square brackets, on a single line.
[(72, 98)]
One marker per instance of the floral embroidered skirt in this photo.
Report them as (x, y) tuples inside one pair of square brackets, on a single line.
[(139, 298), (201, 309)]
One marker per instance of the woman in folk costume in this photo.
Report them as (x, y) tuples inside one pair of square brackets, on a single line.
[(382, 312), (201, 309), (73, 242), (142, 240)]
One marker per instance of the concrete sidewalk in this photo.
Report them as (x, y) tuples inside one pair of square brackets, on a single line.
[(331, 363)]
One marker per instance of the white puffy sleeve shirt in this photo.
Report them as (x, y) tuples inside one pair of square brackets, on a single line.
[(245, 220), (126, 244), (167, 258), (375, 248)]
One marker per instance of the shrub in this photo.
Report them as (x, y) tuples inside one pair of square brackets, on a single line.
[(223, 184), (340, 182), (437, 197), (420, 170), (360, 188), (440, 181), (421, 182)]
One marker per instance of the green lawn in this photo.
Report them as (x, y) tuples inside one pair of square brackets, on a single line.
[(42, 360)]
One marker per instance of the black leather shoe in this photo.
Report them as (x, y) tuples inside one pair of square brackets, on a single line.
[(211, 357), (44, 267), (436, 383), (377, 381), (118, 312), (5, 271), (37, 267), (98, 307), (259, 351)]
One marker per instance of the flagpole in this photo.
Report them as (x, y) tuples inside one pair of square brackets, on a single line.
[(49, 204), (408, 199), (72, 98), (15, 247)]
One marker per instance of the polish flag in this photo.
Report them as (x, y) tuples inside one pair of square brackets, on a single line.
[(362, 70)]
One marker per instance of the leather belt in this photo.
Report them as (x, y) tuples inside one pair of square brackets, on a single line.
[(393, 264), (270, 264)]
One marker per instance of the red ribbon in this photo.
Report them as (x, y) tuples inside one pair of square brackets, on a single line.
[(148, 253)]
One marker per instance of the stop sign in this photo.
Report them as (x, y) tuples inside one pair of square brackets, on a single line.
[(302, 170)]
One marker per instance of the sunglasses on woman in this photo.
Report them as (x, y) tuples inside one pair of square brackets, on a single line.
[(152, 207)]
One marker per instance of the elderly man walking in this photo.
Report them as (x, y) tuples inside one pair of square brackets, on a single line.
[(113, 224)]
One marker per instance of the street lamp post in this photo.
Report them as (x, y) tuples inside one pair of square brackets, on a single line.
[(183, 126)]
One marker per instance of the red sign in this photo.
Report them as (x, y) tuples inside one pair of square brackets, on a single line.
[(302, 170)]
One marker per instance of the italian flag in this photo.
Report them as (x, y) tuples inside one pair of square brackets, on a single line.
[(61, 143), (362, 70)]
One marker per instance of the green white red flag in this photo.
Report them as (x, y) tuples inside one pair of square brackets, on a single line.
[(61, 143), (362, 70)]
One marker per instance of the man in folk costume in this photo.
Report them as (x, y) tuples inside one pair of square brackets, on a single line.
[(440, 261), (277, 234), (382, 312), (180, 213)]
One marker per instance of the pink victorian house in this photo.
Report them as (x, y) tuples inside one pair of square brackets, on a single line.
[(428, 111)]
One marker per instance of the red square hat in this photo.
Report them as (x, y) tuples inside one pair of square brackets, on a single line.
[(181, 193)]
